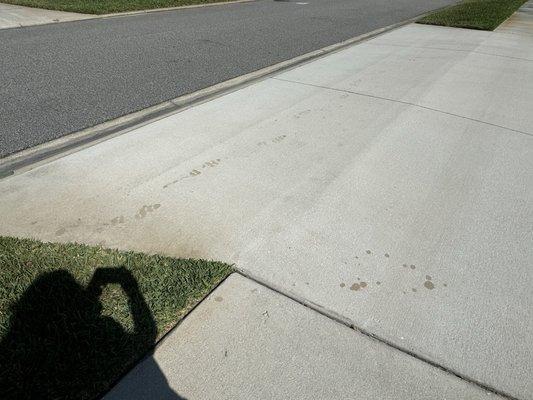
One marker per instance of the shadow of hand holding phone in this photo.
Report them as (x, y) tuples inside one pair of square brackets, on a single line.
[(60, 346)]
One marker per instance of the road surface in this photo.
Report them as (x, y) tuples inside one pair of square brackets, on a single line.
[(61, 78)]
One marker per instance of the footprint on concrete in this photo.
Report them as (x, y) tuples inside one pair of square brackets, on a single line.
[(117, 220), (145, 210), (278, 139), (211, 163)]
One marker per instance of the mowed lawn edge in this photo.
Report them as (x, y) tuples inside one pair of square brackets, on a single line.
[(474, 14), (75, 318), (99, 7)]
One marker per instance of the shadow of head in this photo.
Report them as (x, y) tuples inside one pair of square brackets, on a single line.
[(60, 346)]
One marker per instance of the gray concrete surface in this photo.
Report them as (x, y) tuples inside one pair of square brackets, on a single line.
[(12, 16), (389, 183), (247, 342), (65, 77), (520, 22)]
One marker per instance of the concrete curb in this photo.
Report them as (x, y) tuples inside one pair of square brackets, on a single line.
[(32, 157)]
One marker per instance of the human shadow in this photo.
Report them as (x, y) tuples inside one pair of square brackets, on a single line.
[(60, 346)]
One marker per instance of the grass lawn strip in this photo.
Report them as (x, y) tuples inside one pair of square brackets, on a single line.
[(106, 6), (475, 14), (74, 318)]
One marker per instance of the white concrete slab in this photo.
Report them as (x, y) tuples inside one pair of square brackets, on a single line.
[(12, 16), (464, 72), (320, 189), (247, 342)]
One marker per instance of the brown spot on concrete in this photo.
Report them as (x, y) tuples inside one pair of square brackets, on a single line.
[(404, 265), (363, 284), (428, 277), (429, 285), (412, 266), (117, 220), (355, 287), (219, 299), (378, 283), (60, 231), (368, 252), (445, 284), (413, 289), (387, 255), (342, 284), (144, 210)]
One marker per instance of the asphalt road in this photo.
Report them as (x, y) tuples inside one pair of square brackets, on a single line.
[(57, 79)]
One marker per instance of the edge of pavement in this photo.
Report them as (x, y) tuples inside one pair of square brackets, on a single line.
[(34, 156)]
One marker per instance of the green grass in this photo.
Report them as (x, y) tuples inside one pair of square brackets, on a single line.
[(475, 14), (74, 318), (106, 6)]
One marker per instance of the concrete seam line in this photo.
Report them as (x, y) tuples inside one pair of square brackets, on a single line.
[(452, 50), (407, 104), (30, 158), (350, 324)]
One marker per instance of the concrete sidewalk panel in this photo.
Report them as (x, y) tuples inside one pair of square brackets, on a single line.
[(12, 16), (466, 73), (411, 222), (247, 342)]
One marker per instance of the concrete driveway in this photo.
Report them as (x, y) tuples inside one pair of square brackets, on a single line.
[(388, 185), (13, 16)]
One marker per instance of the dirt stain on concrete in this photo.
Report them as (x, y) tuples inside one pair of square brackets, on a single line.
[(117, 220), (428, 284), (145, 210), (355, 287)]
